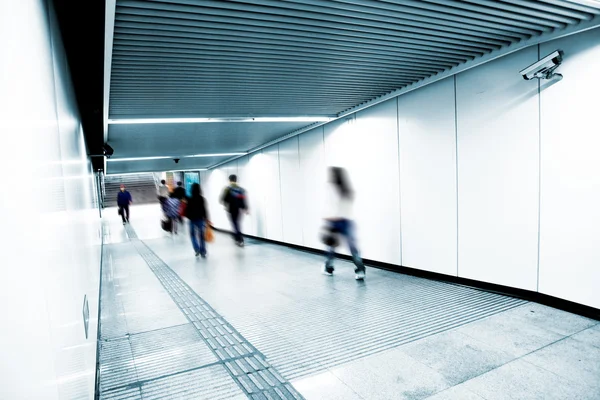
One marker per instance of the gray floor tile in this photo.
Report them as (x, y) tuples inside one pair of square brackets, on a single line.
[(456, 356), (509, 334), (458, 392), (391, 375), (520, 380), (551, 319), (325, 386), (211, 383), (305, 323), (572, 359), (590, 336)]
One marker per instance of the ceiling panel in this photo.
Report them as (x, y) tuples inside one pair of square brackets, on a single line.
[(187, 164), (218, 59), (177, 140)]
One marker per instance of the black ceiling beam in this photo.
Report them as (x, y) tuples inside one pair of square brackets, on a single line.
[(82, 29)]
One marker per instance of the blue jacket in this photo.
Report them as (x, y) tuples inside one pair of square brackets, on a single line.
[(123, 198)]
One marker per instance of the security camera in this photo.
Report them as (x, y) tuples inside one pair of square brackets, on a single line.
[(544, 69), (176, 160)]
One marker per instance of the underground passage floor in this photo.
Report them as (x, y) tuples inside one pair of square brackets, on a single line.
[(262, 322)]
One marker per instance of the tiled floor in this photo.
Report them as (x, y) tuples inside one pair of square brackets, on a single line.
[(391, 337)]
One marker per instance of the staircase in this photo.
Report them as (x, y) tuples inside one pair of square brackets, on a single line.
[(141, 186)]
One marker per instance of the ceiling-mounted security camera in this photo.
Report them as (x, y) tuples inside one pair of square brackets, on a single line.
[(107, 150), (544, 69), (176, 160)]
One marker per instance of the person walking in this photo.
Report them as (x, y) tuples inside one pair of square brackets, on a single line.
[(197, 212), (171, 209), (234, 200), (338, 220), (179, 192), (163, 191), (123, 201)]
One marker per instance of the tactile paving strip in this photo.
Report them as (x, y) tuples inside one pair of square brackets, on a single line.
[(246, 365)]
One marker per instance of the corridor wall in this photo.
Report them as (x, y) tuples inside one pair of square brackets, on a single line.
[(482, 175), (52, 238)]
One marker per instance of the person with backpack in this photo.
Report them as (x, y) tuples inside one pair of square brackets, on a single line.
[(338, 220), (197, 212), (234, 200)]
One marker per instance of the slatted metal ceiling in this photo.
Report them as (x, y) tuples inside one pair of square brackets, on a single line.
[(304, 57), (263, 57)]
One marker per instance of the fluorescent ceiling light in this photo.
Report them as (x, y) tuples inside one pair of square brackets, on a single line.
[(216, 155), (138, 158), (201, 120)]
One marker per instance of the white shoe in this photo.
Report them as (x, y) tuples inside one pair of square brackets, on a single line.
[(360, 275)]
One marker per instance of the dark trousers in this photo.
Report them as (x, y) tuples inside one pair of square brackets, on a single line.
[(124, 210), (235, 222)]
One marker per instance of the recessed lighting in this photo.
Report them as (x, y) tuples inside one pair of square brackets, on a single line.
[(203, 120)]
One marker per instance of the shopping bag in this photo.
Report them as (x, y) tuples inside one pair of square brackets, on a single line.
[(120, 211), (182, 208), (208, 233), (166, 225)]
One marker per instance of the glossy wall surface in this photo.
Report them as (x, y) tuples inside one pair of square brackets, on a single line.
[(51, 239), (482, 175)]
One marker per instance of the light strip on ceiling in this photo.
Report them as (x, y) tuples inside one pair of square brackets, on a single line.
[(204, 120), (216, 155), (137, 158), (172, 157)]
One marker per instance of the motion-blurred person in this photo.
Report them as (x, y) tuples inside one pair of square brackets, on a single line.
[(171, 209), (197, 212), (123, 201), (179, 192), (338, 219), (234, 199), (163, 191)]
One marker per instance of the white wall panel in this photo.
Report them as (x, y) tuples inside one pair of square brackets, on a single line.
[(570, 173), (51, 257), (426, 119), (375, 176), (312, 172), (272, 190), (248, 222), (291, 191), (498, 172), (217, 181), (257, 188)]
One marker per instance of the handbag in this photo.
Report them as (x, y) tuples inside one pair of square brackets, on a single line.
[(209, 236), (166, 225), (330, 236)]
